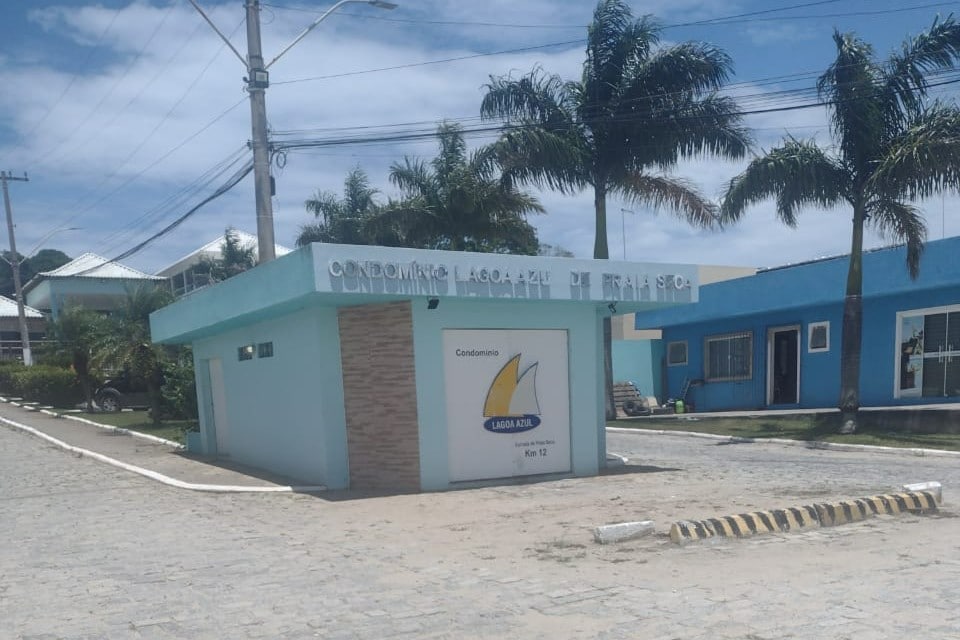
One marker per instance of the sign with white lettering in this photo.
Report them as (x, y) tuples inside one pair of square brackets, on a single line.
[(508, 402), (392, 271)]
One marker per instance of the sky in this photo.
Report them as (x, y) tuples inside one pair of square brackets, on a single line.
[(125, 114)]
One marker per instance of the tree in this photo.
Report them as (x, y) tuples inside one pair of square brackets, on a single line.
[(892, 146), (128, 343), (76, 334), (457, 203), (44, 260), (636, 111), (350, 220), (235, 258)]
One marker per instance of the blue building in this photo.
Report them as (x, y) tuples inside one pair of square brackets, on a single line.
[(772, 340)]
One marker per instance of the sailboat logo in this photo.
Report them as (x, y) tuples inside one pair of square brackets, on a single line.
[(511, 405)]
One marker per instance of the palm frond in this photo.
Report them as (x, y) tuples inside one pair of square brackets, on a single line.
[(674, 194), (546, 159), (859, 118), (935, 49), (688, 68), (798, 173), (902, 222), (536, 97), (924, 159)]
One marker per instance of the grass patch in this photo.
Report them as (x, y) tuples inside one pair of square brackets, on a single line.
[(140, 422), (807, 427)]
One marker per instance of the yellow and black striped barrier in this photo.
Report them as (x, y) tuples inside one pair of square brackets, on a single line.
[(823, 514)]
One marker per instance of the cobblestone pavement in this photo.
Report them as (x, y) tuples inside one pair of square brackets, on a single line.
[(93, 552)]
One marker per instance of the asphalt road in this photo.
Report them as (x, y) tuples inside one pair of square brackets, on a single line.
[(92, 552)]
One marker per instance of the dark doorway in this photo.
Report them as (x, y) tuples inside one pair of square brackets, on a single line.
[(784, 373)]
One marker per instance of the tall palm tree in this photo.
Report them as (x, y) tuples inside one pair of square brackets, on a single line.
[(456, 202), (636, 111), (347, 220), (893, 145)]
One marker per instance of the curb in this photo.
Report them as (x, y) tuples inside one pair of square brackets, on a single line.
[(159, 477), (57, 414), (807, 444), (811, 516)]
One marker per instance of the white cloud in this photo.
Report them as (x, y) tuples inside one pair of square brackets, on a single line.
[(168, 90)]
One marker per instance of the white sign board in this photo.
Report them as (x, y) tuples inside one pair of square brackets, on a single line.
[(508, 402)]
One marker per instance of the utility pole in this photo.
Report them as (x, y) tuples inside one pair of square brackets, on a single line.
[(258, 79), (5, 177), (257, 82)]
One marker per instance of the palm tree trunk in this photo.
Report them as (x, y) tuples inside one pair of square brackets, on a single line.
[(851, 342), (601, 252)]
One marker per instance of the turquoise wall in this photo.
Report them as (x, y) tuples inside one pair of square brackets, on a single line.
[(587, 439), (639, 361), (285, 412)]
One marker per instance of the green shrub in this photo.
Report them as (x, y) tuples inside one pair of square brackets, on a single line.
[(7, 369), (178, 396), (47, 385)]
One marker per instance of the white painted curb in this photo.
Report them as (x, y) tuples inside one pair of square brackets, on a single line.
[(808, 444), (159, 477)]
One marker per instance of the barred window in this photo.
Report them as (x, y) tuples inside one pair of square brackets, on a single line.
[(729, 357)]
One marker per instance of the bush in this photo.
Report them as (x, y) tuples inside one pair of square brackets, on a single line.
[(178, 396), (7, 369), (47, 385)]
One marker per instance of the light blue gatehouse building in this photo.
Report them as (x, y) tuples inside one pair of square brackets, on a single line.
[(411, 370), (772, 340)]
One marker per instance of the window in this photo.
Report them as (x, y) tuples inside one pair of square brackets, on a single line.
[(245, 352), (729, 357), (676, 353), (818, 337), (265, 350)]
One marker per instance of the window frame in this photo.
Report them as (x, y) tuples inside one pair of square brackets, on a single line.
[(810, 328), (246, 352), (686, 353), (748, 335)]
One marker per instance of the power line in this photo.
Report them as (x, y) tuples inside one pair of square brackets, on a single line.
[(83, 67), (106, 96)]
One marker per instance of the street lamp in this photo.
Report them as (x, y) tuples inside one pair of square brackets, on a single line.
[(258, 79)]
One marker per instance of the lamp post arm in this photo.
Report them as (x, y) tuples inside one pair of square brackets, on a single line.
[(219, 33)]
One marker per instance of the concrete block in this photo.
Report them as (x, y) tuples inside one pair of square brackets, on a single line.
[(933, 487), (608, 533)]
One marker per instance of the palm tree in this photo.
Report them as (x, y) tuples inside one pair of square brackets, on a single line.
[(235, 258), (128, 342), (349, 220), (892, 146), (636, 111), (456, 202), (76, 332)]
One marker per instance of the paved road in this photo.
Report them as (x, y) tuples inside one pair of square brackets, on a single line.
[(92, 552)]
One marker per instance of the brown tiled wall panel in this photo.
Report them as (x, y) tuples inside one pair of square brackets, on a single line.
[(380, 396)]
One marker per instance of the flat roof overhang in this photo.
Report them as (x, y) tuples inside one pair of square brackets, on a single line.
[(349, 275)]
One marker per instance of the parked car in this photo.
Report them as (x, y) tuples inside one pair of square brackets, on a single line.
[(122, 391)]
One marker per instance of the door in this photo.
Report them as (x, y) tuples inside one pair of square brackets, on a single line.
[(941, 355), (783, 365), (218, 397)]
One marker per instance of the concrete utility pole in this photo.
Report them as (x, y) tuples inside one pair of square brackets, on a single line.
[(15, 267), (258, 79)]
